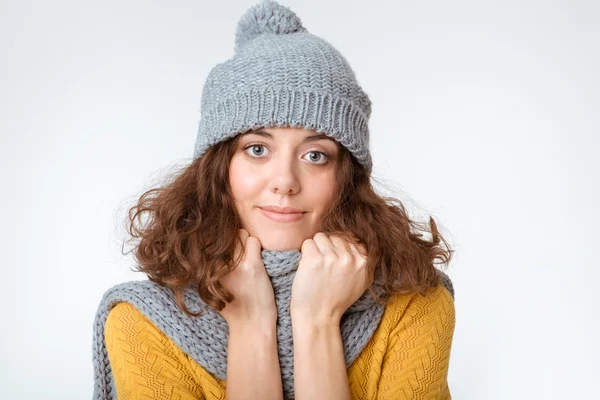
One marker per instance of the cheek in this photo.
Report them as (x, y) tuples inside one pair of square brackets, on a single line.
[(322, 192), (243, 183)]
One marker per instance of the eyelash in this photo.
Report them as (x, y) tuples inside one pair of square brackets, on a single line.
[(325, 155)]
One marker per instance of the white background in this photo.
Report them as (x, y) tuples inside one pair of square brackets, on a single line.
[(485, 116)]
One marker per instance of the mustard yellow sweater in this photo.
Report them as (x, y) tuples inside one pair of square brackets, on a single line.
[(407, 357)]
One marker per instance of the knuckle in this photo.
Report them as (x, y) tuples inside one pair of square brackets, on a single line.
[(315, 261), (362, 263), (346, 259)]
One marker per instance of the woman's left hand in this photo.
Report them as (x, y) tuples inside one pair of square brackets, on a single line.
[(331, 276)]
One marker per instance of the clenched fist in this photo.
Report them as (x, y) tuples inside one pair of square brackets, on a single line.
[(249, 283), (331, 276)]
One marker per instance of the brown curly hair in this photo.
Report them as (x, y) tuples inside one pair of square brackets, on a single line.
[(190, 234)]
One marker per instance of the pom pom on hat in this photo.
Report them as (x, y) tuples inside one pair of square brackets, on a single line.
[(267, 16)]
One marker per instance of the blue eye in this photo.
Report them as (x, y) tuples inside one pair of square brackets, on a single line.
[(325, 156), (254, 146)]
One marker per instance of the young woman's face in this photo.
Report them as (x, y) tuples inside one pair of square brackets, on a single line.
[(283, 167)]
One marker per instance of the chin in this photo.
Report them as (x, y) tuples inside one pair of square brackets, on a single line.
[(280, 244)]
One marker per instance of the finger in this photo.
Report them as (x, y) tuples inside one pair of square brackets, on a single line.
[(340, 243), (253, 247), (324, 244), (309, 247)]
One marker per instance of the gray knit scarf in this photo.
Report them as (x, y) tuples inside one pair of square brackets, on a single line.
[(205, 338)]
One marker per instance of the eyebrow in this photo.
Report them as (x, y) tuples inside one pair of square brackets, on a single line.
[(310, 138)]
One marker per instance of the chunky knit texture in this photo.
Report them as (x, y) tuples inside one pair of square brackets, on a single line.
[(282, 75), (407, 357), (205, 338)]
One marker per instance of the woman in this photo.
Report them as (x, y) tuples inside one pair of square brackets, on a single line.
[(275, 270)]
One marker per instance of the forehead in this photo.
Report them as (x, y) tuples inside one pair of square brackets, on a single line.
[(303, 135)]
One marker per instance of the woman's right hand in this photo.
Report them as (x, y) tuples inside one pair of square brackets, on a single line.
[(249, 283)]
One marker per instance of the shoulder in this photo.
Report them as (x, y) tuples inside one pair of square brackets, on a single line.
[(130, 334), (145, 362), (126, 312), (416, 358), (131, 289), (133, 300), (142, 313), (124, 320), (436, 309)]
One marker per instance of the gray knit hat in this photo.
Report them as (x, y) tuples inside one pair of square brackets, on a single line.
[(281, 75)]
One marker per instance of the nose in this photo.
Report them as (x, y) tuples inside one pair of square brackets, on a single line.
[(284, 179)]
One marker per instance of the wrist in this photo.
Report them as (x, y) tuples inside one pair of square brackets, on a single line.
[(256, 327), (314, 321), (309, 333)]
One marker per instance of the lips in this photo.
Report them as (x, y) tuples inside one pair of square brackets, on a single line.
[(285, 216), (282, 210)]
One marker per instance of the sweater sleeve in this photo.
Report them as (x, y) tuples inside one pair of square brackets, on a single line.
[(145, 363), (416, 362)]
